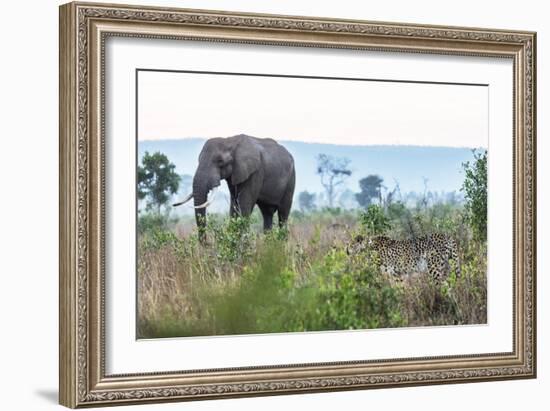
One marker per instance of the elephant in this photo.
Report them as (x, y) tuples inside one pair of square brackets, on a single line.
[(258, 171)]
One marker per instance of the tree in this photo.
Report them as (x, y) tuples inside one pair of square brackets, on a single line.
[(306, 201), (371, 189), (475, 193), (157, 180), (334, 172)]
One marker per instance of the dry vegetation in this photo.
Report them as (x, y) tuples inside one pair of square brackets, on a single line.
[(245, 281)]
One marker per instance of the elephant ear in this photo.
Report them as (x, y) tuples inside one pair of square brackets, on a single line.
[(247, 159)]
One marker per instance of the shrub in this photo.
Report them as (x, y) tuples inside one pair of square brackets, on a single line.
[(148, 222), (233, 238), (261, 300), (475, 192), (354, 295), (374, 221)]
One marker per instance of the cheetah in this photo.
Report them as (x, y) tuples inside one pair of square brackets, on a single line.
[(432, 253)]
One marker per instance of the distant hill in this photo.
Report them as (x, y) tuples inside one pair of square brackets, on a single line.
[(408, 165)]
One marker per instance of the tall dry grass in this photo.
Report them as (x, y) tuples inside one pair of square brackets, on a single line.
[(297, 280)]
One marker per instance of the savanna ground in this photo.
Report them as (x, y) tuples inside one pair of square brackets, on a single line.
[(301, 279)]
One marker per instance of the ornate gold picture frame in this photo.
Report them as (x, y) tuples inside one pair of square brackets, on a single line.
[(84, 30)]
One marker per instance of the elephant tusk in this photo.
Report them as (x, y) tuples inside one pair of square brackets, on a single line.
[(208, 202), (185, 200), (204, 205)]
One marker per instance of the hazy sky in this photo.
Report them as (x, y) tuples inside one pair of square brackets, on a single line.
[(184, 105)]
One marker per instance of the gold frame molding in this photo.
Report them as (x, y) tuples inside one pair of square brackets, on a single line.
[(83, 30)]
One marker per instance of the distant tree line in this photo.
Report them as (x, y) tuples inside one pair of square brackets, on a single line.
[(334, 172), (157, 182)]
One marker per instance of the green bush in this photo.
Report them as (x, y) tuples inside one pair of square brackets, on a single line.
[(475, 191), (264, 298), (374, 221), (233, 238), (148, 222), (353, 294), (397, 211)]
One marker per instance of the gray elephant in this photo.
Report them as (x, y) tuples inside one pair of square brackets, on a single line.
[(257, 171)]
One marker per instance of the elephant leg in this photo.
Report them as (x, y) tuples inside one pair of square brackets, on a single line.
[(267, 214), (283, 216), (233, 207), (241, 203), (244, 204), (246, 195), (286, 204)]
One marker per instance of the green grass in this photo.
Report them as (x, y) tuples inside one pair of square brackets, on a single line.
[(300, 279)]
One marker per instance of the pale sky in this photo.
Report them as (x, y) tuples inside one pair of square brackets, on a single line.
[(350, 112)]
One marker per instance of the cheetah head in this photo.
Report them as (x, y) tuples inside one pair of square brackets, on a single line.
[(356, 245), (361, 243)]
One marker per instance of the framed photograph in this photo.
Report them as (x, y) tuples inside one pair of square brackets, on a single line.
[(260, 204)]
